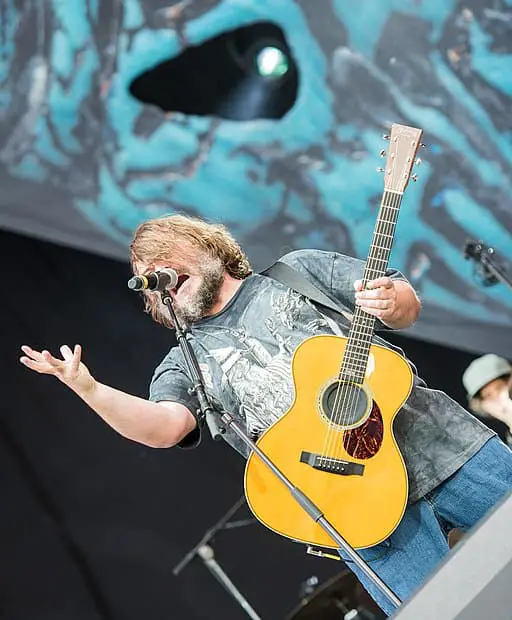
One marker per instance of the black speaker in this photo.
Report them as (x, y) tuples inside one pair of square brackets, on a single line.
[(475, 580)]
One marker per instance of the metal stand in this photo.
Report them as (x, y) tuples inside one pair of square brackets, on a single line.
[(206, 553), (207, 413), (486, 256)]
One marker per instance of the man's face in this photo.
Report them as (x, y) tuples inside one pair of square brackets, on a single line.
[(200, 278), (496, 390)]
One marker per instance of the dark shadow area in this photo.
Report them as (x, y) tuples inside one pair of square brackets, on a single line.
[(221, 77), (92, 524)]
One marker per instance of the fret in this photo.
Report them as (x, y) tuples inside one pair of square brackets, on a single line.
[(361, 358), (380, 260), (354, 328), (354, 370), (385, 213), (387, 221), (362, 329), (392, 211), (379, 248), (381, 234), (355, 378), (357, 358), (358, 354)]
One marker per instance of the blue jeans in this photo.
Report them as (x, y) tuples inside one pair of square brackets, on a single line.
[(405, 559)]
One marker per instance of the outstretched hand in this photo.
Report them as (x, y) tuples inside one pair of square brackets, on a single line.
[(70, 369)]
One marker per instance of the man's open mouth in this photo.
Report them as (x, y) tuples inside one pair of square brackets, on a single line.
[(181, 280)]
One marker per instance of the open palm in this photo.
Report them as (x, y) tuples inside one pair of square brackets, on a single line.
[(70, 369)]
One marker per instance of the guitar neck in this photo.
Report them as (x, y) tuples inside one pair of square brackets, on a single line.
[(360, 336)]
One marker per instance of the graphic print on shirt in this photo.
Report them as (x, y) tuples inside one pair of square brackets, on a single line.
[(260, 378)]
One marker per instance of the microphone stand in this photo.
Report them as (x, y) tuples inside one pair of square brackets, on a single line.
[(486, 259), (205, 551), (207, 413), (486, 256)]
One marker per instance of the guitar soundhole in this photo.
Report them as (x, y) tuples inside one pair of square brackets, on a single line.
[(365, 441), (344, 403)]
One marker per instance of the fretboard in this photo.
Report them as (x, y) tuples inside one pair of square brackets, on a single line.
[(355, 359)]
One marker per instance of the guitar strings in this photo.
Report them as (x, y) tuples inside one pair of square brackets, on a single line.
[(372, 271), (347, 392), (358, 355), (388, 214), (363, 326)]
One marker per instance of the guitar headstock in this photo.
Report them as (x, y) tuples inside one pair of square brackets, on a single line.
[(404, 143)]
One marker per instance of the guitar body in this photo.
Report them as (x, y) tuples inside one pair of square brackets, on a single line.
[(366, 502)]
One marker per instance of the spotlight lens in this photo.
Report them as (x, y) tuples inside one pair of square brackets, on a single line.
[(271, 62)]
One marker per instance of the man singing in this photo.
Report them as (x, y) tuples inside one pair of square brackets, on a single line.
[(244, 329)]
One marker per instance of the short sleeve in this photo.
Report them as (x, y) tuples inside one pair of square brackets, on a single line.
[(334, 274), (345, 271), (171, 383)]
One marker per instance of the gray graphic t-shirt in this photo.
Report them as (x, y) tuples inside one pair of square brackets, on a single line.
[(245, 353)]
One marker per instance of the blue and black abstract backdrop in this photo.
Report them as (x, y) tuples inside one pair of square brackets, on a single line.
[(83, 161)]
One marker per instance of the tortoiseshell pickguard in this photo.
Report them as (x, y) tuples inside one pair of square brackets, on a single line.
[(365, 441)]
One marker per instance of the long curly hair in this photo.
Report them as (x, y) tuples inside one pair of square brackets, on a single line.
[(160, 239)]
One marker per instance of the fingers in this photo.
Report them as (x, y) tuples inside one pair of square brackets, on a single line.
[(77, 355), (66, 353), (376, 293), (32, 353), (378, 298), (378, 304), (35, 360), (377, 312), (53, 361), (383, 282), (42, 361), (41, 367)]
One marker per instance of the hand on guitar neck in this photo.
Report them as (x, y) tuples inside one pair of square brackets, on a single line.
[(394, 302)]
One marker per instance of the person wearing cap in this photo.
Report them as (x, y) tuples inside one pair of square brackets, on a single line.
[(488, 383)]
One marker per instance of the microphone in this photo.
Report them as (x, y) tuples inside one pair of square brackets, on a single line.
[(155, 281)]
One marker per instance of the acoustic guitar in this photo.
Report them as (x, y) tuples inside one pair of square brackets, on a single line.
[(336, 442)]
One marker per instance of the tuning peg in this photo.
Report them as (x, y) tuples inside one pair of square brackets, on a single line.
[(423, 146), (386, 137), (414, 177), (383, 153), (418, 161), (380, 170)]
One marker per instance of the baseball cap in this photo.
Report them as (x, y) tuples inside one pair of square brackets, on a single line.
[(482, 371)]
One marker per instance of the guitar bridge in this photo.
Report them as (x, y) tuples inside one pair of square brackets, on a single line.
[(331, 466)]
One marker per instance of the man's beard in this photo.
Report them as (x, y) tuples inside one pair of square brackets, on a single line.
[(191, 309)]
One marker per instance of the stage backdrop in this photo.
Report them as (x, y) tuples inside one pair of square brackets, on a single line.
[(83, 161)]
